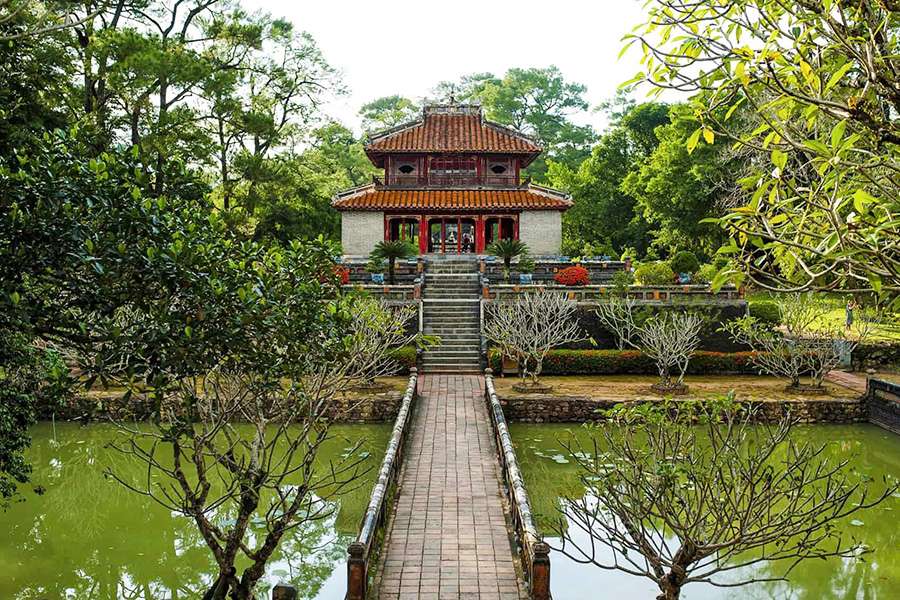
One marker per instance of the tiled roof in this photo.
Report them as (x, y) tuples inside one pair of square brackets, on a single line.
[(376, 198), (452, 129)]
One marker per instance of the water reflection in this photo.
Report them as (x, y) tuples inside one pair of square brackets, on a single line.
[(551, 476), (87, 537)]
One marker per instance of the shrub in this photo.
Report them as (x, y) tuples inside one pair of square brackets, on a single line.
[(705, 274), (765, 311), (576, 275), (655, 273), (633, 362), (525, 264), (405, 357), (684, 262), (621, 281)]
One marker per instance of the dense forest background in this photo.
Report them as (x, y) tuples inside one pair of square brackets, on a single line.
[(219, 103)]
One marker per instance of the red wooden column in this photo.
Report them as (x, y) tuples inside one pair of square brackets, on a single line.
[(479, 234), (516, 227), (423, 234)]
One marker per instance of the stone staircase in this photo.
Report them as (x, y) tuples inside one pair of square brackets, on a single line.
[(451, 310)]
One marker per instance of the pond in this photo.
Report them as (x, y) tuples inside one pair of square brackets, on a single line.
[(87, 537), (550, 477)]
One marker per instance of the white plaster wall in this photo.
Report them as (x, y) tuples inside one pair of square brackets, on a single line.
[(360, 231), (541, 230)]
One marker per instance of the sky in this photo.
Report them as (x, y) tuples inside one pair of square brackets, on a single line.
[(402, 47)]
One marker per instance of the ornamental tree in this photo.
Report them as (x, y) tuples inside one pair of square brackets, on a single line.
[(811, 90), (527, 328), (670, 338), (679, 503), (804, 345)]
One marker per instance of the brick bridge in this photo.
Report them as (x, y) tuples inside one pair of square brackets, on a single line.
[(449, 536)]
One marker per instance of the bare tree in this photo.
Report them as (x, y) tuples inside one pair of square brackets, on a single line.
[(617, 315), (670, 339), (803, 346), (678, 504), (235, 449), (529, 327), (376, 330)]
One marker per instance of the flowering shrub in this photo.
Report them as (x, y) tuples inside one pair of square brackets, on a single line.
[(632, 362), (576, 275), (343, 274)]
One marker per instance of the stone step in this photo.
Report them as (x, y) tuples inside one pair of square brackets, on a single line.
[(452, 332), (433, 294), (471, 362)]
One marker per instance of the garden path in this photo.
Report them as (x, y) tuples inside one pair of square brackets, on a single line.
[(854, 381), (448, 537)]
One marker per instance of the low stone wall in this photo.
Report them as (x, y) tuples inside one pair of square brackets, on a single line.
[(601, 271), (396, 293), (876, 355), (405, 271), (680, 295), (883, 401), (381, 408), (575, 409), (99, 407)]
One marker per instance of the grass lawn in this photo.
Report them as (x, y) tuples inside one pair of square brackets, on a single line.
[(637, 387), (834, 315)]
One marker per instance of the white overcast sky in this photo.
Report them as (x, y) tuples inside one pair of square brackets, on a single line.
[(402, 47)]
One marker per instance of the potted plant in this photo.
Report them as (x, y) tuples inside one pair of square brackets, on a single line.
[(507, 250), (375, 267), (390, 252), (685, 265), (526, 269)]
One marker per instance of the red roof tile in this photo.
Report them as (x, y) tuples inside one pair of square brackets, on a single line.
[(452, 129), (373, 198)]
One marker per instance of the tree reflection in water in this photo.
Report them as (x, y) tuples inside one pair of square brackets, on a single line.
[(550, 477), (89, 538)]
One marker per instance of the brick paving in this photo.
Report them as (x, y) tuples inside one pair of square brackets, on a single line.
[(448, 538), (854, 381)]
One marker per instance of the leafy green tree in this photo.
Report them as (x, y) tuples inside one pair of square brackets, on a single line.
[(677, 190), (387, 112), (603, 213), (298, 195), (817, 86)]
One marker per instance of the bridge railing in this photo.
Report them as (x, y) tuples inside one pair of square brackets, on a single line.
[(361, 552), (534, 553)]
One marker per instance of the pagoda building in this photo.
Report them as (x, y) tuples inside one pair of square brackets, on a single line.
[(451, 185)]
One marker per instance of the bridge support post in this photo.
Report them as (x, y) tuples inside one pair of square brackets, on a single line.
[(357, 572), (540, 572)]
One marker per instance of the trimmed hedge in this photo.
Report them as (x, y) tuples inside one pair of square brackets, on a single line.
[(765, 311), (632, 362)]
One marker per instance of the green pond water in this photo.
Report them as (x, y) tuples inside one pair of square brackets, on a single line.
[(551, 477), (88, 537)]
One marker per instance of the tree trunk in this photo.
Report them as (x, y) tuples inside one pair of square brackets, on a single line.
[(391, 270)]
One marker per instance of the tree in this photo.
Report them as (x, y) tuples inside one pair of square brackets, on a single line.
[(679, 503), (387, 112), (670, 338), (677, 191), (604, 213), (507, 250), (617, 315), (241, 440), (527, 328), (390, 251), (802, 347), (818, 90)]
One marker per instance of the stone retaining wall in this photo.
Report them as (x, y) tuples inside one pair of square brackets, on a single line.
[(883, 400), (575, 409), (380, 408)]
